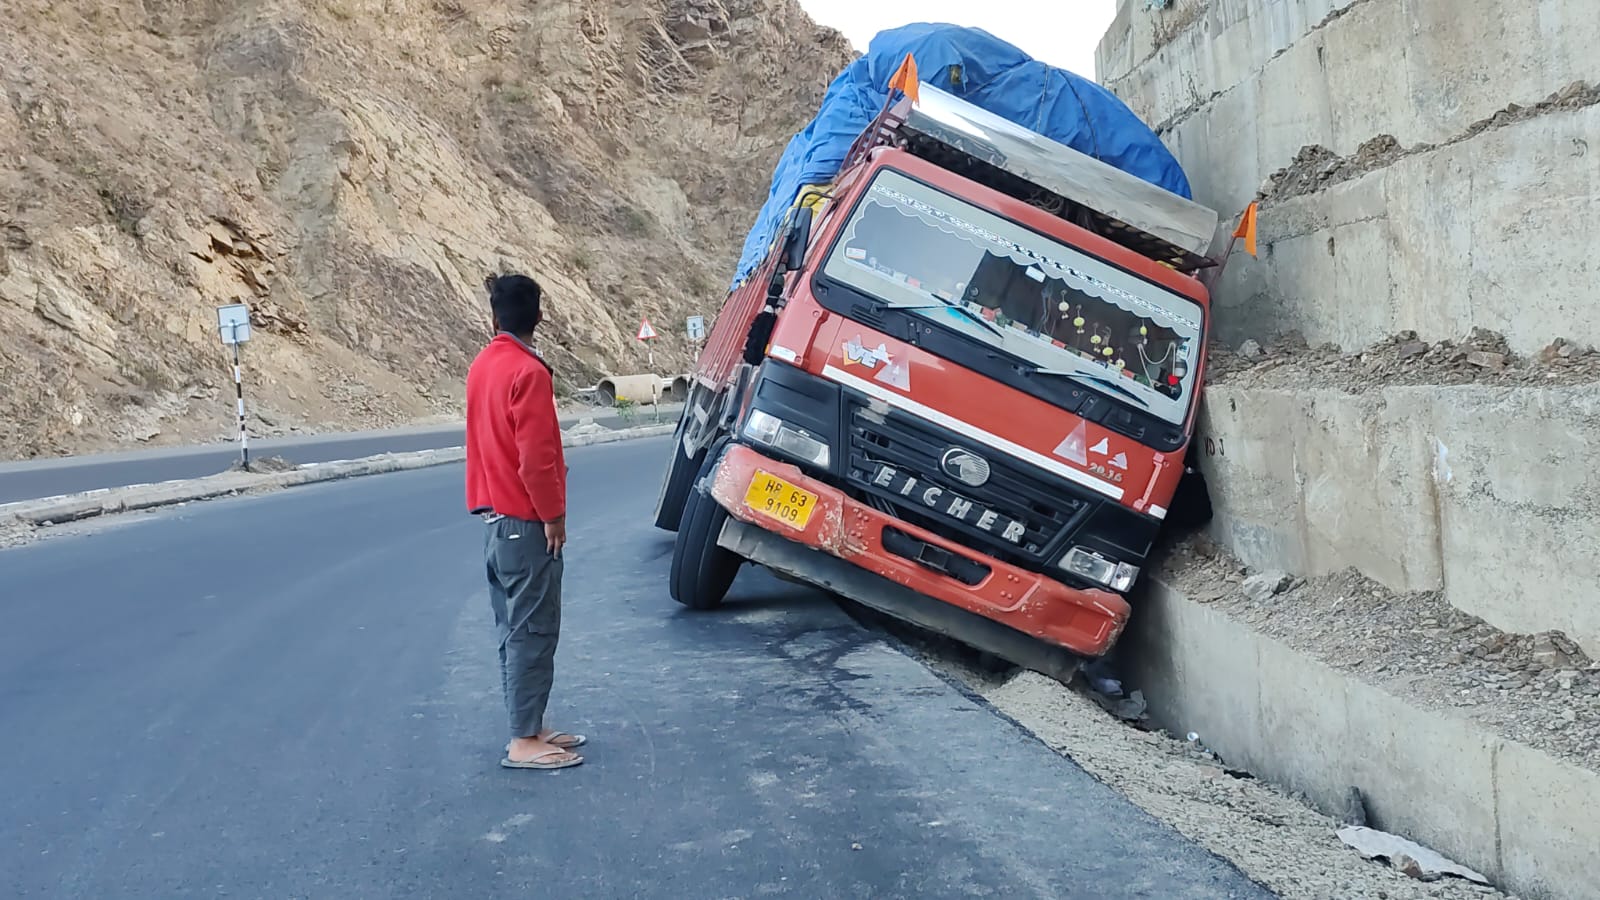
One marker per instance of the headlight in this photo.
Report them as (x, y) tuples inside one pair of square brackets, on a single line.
[(796, 443), (1091, 565)]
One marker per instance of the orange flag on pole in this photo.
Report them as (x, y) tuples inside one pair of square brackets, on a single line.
[(1247, 229), (905, 80)]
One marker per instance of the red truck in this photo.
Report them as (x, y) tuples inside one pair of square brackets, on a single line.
[(959, 391)]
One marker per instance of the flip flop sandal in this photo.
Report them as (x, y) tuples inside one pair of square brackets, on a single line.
[(563, 740), (566, 741), (535, 763)]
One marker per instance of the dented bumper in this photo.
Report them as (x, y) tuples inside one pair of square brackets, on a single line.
[(1087, 622)]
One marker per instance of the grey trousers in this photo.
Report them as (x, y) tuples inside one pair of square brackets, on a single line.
[(525, 591)]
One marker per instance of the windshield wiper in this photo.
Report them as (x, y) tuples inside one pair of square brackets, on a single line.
[(1081, 377), (972, 317)]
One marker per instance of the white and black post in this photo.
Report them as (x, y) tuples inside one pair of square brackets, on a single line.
[(238, 388), (234, 324)]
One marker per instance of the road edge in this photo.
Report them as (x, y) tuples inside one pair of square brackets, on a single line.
[(48, 511)]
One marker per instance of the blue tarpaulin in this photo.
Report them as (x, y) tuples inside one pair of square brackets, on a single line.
[(982, 70)]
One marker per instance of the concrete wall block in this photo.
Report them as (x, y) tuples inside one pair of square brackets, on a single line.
[(1223, 169), (1517, 496), (1294, 108), (1365, 56), (1253, 477), (1307, 753), (1422, 70), (1534, 196), (1525, 819), (1549, 823), (1367, 503), (1229, 722), (1485, 233), (1429, 257), (1426, 775), (1418, 488), (1466, 59), (1126, 43)]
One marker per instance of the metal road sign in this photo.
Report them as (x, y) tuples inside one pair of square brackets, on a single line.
[(233, 323)]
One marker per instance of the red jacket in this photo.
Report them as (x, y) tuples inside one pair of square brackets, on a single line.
[(515, 466)]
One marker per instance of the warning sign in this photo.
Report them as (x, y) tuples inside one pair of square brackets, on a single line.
[(1073, 446), (645, 331)]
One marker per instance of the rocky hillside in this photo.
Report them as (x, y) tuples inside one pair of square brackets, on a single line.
[(353, 169)]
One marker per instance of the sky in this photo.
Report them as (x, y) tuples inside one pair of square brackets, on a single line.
[(1060, 32)]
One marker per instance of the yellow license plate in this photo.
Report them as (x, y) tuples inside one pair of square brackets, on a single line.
[(772, 496)]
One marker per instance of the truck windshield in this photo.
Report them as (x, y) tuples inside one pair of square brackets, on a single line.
[(1043, 303)]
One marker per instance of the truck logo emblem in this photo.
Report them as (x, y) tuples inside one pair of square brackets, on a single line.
[(967, 512), (855, 353), (965, 466)]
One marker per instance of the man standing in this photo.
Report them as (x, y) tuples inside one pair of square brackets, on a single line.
[(517, 480)]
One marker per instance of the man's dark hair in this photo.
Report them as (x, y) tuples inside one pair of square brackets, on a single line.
[(515, 301)]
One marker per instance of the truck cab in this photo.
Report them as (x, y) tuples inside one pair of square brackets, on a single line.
[(960, 390)]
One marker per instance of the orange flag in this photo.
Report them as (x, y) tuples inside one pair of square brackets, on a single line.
[(1247, 229), (905, 80)]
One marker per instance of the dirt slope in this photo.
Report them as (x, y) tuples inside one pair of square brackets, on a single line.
[(353, 169)]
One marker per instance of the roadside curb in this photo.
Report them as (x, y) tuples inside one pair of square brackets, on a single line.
[(48, 511), (1523, 817)]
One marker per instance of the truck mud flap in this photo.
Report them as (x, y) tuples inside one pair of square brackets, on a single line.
[(830, 573)]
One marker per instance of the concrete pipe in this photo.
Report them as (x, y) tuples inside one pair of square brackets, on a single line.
[(634, 388), (677, 390)]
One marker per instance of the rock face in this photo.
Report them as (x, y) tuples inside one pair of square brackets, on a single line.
[(353, 169)]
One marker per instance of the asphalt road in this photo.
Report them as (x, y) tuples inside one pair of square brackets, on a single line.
[(33, 479), (295, 695)]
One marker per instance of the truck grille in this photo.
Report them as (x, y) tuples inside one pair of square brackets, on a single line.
[(901, 461)]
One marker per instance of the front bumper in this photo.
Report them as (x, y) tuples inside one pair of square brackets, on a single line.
[(1087, 622)]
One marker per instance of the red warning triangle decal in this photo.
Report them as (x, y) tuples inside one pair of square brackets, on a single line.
[(1072, 448)]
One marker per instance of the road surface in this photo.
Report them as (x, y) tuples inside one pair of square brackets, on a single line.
[(33, 479), (295, 695)]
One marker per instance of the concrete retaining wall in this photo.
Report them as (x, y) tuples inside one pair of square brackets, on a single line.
[(1486, 493), (1526, 819), (1494, 230)]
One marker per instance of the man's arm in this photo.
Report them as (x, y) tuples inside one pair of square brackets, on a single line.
[(538, 436)]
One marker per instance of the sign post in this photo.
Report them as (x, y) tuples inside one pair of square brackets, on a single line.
[(233, 323)]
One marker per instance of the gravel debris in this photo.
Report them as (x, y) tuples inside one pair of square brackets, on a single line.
[(1540, 690), (1482, 358)]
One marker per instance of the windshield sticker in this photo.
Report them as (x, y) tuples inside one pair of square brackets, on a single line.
[(1101, 287), (856, 354), (1071, 448), (855, 253)]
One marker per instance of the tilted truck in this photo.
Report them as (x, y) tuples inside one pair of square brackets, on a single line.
[(960, 384)]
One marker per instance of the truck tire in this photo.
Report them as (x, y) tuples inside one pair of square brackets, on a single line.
[(679, 479), (702, 571)]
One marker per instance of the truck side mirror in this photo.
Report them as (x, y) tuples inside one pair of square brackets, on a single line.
[(795, 244)]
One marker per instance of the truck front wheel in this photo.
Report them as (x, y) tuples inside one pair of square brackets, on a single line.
[(702, 570)]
